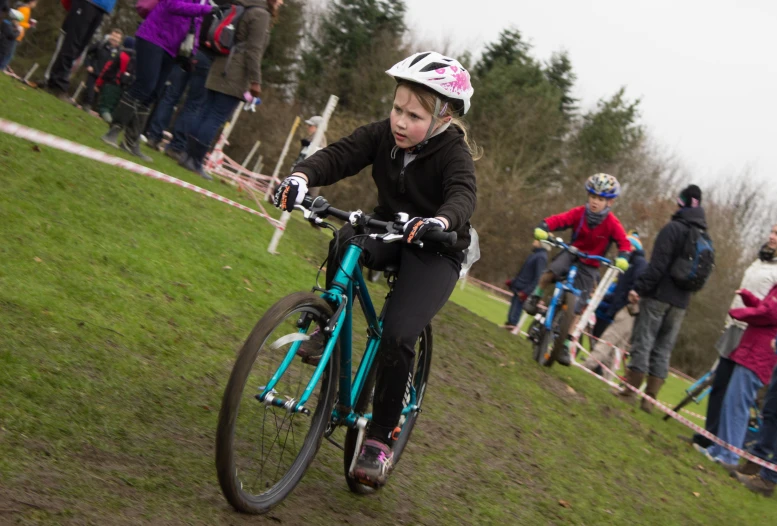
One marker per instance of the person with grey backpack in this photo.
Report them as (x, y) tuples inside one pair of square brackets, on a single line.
[(681, 262)]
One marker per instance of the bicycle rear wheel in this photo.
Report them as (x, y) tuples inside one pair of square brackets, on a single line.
[(364, 403), (262, 451)]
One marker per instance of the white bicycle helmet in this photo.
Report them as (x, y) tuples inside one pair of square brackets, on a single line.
[(437, 72), (603, 185)]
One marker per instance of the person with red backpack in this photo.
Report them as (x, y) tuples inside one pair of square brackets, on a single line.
[(158, 41), (235, 76)]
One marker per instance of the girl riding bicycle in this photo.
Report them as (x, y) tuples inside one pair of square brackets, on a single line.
[(422, 165)]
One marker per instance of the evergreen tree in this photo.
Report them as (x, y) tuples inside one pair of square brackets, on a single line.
[(280, 62), (559, 73), (610, 131), (356, 42)]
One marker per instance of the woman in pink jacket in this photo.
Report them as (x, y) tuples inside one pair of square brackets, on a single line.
[(755, 360)]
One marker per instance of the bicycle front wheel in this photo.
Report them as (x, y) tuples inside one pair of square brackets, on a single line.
[(418, 381), (561, 325), (262, 451)]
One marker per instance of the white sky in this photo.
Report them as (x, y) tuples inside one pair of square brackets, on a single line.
[(706, 71)]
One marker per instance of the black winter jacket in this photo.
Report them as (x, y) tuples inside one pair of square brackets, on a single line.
[(620, 296), (440, 181), (98, 54), (656, 282), (529, 275)]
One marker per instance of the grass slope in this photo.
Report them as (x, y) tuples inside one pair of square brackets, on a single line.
[(120, 321)]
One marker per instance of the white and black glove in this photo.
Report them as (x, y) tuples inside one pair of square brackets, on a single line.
[(416, 227), (291, 192)]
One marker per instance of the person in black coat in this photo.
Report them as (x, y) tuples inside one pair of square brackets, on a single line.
[(526, 281), (620, 295), (662, 303), (97, 56)]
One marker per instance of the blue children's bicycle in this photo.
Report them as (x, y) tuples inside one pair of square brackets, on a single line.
[(702, 387), (549, 330), (277, 406)]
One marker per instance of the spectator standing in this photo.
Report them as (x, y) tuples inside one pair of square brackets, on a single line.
[(231, 79), (97, 56), (754, 361), (618, 318), (180, 80), (25, 8), (157, 42), (82, 20), (662, 303), (9, 32), (526, 280), (312, 126), (754, 477), (759, 278), (116, 76)]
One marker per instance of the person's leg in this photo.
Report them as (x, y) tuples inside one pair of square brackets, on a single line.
[(160, 120), (195, 101), (424, 283), (715, 400), (219, 107), (735, 414), (6, 59), (133, 108), (766, 447), (618, 333), (646, 327), (81, 22), (89, 93), (516, 307), (658, 367), (557, 270)]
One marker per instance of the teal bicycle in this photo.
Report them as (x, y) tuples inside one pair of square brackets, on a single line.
[(278, 406)]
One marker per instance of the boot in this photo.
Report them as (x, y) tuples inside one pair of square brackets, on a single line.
[(654, 384), (131, 142), (122, 115), (196, 152), (749, 468), (756, 484), (633, 378)]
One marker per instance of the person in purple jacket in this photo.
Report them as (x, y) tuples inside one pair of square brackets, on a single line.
[(157, 42)]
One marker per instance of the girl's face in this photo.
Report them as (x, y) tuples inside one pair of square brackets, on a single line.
[(409, 120), (597, 203)]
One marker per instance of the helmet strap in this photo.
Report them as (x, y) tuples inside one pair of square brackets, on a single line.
[(435, 113)]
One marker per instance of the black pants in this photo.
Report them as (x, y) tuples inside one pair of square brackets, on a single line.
[(89, 92), (424, 283), (715, 403), (79, 26)]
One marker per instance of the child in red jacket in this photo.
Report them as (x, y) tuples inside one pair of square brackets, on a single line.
[(594, 228)]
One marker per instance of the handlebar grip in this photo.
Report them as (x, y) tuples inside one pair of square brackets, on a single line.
[(307, 201), (438, 236)]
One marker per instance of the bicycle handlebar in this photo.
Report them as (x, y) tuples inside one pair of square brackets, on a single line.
[(318, 207), (574, 250)]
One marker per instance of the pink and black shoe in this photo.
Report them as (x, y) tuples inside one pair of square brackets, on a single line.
[(374, 463)]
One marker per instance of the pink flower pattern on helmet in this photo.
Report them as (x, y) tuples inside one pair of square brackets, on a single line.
[(461, 84)]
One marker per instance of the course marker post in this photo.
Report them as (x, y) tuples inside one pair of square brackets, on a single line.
[(251, 153), (284, 152), (328, 111), (29, 73)]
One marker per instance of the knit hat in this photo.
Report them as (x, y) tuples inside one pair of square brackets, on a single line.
[(129, 43), (690, 197), (633, 238)]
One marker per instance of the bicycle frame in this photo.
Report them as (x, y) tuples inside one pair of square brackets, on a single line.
[(561, 287), (347, 285)]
